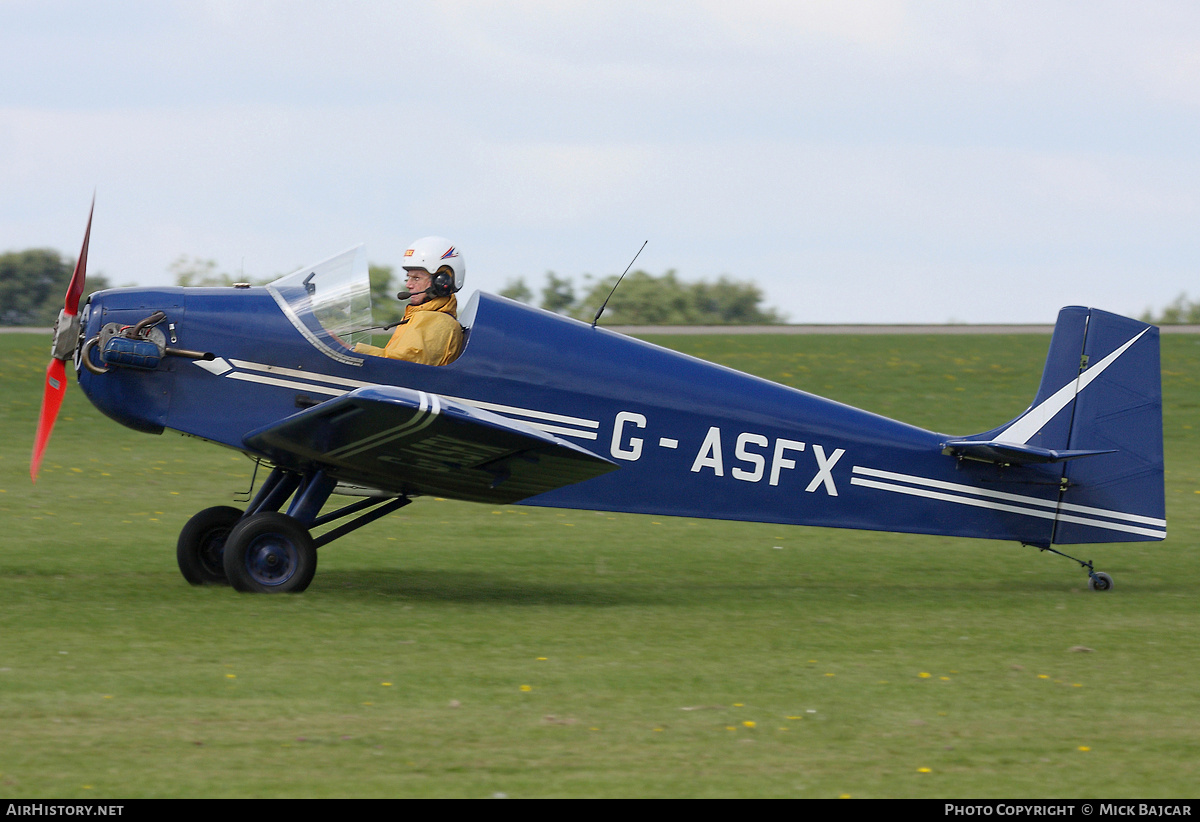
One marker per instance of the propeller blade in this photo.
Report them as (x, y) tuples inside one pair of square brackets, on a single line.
[(75, 289), (56, 388), (56, 373)]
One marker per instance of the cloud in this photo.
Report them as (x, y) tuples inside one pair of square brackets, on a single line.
[(828, 150)]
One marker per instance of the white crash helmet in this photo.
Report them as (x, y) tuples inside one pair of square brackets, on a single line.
[(435, 254)]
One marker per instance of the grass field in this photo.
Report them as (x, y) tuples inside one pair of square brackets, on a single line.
[(466, 650)]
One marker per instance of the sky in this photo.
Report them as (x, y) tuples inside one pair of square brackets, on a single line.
[(870, 162)]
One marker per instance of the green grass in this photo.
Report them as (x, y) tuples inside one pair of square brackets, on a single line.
[(466, 650)]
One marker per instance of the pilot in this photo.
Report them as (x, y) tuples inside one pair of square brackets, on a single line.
[(429, 333)]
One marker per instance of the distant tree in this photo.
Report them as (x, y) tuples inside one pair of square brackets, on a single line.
[(33, 283), (192, 272), (385, 308), (643, 299), (558, 295), (517, 290), (1180, 312)]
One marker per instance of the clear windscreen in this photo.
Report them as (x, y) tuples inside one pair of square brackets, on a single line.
[(335, 293)]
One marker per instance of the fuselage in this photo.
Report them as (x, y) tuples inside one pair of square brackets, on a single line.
[(692, 438)]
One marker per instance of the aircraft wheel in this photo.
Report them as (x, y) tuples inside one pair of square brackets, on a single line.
[(1100, 582), (270, 552), (202, 544)]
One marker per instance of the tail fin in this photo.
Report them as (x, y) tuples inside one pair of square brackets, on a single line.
[(1098, 414), (1122, 411)]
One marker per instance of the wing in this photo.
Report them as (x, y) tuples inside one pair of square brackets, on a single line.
[(413, 442)]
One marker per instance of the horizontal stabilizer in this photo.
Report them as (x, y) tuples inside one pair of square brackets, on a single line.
[(1012, 453), (413, 442)]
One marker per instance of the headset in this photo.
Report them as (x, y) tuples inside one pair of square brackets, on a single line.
[(443, 282)]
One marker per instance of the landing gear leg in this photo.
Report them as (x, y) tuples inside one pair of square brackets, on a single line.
[(265, 550)]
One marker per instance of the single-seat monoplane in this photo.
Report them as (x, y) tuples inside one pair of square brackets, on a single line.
[(544, 410)]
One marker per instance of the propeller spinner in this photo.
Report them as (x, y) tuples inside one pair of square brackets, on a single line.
[(66, 334)]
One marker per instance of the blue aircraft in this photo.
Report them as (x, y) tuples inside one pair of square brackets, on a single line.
[(544, 410)]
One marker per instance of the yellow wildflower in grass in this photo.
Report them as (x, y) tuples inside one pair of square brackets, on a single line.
[(386, 684), (231, 676), (749, 723), (1043, 676), (924, 675), (1084, 748), (924, 770), (526, 688)]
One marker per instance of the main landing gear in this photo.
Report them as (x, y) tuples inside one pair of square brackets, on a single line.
[(1097, 580), (263, 550)]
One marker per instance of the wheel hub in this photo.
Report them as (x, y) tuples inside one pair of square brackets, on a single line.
[(271, 559)]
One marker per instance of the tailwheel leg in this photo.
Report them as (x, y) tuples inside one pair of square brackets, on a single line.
[(1097, 580)]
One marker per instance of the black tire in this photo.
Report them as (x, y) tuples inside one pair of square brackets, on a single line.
[(1100, 582), (202, 545), (270, 553)]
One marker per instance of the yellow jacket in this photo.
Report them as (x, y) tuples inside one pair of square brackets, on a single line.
[(429, 334)]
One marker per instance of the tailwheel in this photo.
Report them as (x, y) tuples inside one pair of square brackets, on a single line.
[(270, 552), (1097, 580), (201, 548)]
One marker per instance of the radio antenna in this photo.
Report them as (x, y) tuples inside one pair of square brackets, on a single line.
[(600, 311)]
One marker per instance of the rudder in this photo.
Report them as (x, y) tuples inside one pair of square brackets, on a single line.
[(1119, 496)]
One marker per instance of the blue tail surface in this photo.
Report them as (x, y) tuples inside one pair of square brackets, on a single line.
[(1098, 412)]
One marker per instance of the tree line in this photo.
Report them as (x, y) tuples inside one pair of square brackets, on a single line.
[(644, 299), (33, 282), (1181, 312)]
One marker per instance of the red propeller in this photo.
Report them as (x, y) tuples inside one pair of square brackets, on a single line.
[(66, 331)]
